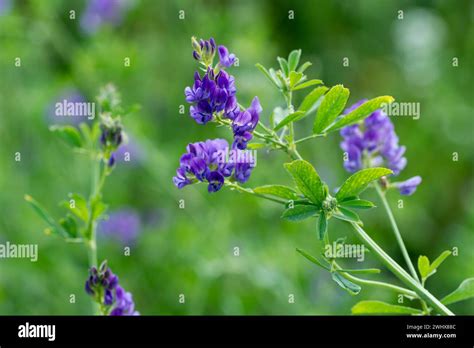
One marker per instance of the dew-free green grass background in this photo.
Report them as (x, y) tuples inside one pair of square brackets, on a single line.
[(190, 251)]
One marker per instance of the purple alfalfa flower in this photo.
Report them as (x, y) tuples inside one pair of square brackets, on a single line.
[(373, 143), (103, 285), (244, 124), (204, 50), (124, 304), (408, 187), (99, 12), (124, 225), (225, 59)]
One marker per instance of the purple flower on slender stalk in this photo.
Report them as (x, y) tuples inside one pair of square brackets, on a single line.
[(374, 143), (123, 225), (225, 59), (104, 286), (244, 124), (408, 187), (99, 12), (206, 162)]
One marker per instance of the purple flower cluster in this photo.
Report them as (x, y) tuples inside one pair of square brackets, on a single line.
[(104, 286), (214, 94), (207, 162), (375, 143)]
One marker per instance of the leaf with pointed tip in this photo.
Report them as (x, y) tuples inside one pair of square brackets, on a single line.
[(54, 227), (295, 77), (439, 260), (331, 106), (69, 134), (311, 99), (357, 204), (463, 292), (358, 181), (307, 180), (361, 112), (346, 215), (267, 74), (379, 307), (283, 66), (307, 84), (346, 284), (312, 259), (278, 191), (295, 116), (304, 66), (294, 59), (300, 212)]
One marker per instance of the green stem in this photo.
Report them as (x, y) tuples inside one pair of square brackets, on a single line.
[(396, 231), (310, 137), (399, 272)]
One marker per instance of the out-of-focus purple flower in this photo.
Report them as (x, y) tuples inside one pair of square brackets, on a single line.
[(373, 143), (208, 162), (123, 225), (225, 59), (129, 152), (408, 187), (244, 124), (104, 286), (68, 95), (5, 6), (99, 12)]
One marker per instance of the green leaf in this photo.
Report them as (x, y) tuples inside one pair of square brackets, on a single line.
[(77, 205), (358, 182), (463, 292), (69, 225), (69, 134), (312, 259), (346, 284), (98, 208), (267, 74), (295, 116), (310, 100), (379, 307), (278, 191), (307, 84), (307, 180), (283, 66), (357, 204), (294, 59), (43, 213), (439, 260), (332, 105), (304, 66), (295, 77), (423, 266), (346, 215), (322, 226), (361, 112), (300, 212), (360, 271)]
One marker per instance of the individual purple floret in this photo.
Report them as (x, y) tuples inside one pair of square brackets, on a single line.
[(208, 162), (104, 286), (226, 59), (123, 225), (373, 143), (408, 187), (99, 12), (244, 124)]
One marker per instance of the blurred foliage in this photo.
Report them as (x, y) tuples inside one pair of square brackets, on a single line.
[(190, 251)]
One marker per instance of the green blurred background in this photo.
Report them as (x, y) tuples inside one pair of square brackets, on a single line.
[(190, 251)]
